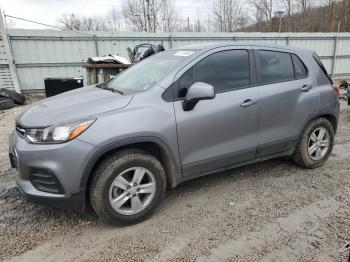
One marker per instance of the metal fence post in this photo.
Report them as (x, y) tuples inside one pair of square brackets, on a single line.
[(334, 55), (287, 40), (96, 45), (8, 52), (171, 41)]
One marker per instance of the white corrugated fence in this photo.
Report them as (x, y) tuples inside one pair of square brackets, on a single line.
[(39, 54)]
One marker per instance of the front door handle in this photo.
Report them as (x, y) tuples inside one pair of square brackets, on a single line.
[(248, 102), (305, 88)]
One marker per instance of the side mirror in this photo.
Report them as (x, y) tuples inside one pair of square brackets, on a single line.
[(197, 91)]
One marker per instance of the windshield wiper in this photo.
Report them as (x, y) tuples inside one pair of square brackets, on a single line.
[(116, 91), (106, 87)]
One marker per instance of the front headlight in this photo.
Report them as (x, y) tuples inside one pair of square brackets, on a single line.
[(59, 133)]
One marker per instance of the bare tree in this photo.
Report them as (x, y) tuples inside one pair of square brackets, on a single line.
[(288, 6), (264, 11), (258, 16), (303, 6), (227, 15), (70, 21), (345, 15), (134, 13), (115, 20), (82, 23), (150, 15), (224, 15), (168, 19)]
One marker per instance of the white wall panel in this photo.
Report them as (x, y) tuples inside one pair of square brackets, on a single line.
[(40, 54)]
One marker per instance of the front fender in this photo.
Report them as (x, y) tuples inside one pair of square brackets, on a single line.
[(175, 176)]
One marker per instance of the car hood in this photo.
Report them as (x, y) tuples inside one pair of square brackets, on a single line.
[(79, 103)]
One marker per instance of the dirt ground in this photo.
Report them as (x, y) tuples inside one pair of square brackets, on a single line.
[(271, 211)]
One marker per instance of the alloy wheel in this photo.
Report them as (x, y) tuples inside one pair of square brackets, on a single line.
[(132, 191), (318, 143)]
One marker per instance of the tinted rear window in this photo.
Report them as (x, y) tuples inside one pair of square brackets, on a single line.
[(275, 66)]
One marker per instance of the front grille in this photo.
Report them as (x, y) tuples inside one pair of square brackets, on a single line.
[(44, 180), (20, 130)]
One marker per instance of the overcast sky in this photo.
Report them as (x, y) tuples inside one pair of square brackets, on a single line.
[(48, 11)]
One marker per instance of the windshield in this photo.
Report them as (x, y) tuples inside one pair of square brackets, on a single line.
[(148, 72)]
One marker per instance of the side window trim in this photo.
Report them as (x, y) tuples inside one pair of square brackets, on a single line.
[(252, 68), (258, 67)]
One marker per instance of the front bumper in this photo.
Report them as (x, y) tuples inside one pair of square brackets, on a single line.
[(51, 174)]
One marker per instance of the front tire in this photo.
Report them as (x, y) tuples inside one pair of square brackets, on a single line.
[(315, 145), (127, 187)]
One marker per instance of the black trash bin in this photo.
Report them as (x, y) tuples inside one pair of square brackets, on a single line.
[(55, 86)]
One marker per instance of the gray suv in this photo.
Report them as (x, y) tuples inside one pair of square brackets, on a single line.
[(177, 115)]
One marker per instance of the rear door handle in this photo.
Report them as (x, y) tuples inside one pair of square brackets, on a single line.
[(248, 102), (305, 88)]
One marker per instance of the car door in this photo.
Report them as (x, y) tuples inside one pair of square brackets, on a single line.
[(287, 100), (219, 132)]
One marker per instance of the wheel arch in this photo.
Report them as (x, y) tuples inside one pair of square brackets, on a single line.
[(152, 145), (331, 118)]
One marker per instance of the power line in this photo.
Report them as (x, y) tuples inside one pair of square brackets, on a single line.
[(39, 23), (35, 22)]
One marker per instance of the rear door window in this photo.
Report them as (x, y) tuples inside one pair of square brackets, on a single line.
[(275, 66)]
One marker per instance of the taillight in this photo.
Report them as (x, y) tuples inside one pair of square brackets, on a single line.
[(336, 89)]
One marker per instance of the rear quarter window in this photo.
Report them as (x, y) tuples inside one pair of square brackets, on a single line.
[(300, 69)]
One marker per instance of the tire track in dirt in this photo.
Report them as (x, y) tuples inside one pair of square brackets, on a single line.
[(305, 218)]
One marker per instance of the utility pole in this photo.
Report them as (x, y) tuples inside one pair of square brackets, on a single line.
[(188, 24)]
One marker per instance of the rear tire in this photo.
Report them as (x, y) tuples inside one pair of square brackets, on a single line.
[(105, 187), (312, 151)]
